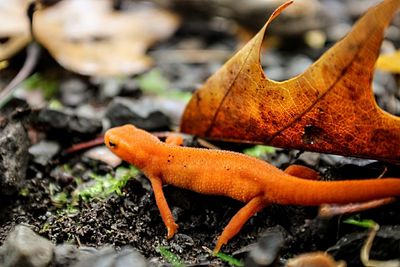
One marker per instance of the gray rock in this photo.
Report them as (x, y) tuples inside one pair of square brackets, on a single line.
[(276, 73), (66, 254), (131, 88), (89, 111), (24, 248), (297, 65), (110, 87), (144, 114), (357, 8), (302, 16), (386, 81), (387, 240), (267, 248), (338, 31), (66, 124), (108, 257), (310, 158), (73, 92), (44, 151), (272, 59), (14, 157)]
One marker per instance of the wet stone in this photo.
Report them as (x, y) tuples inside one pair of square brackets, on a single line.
[(66, 125), (387, 240), (338, 31), (357, 8), (310, 158), (305, 15), (24, 248), (297, 65), (276, 73), (266, 250), (73, 92), (15, 108), (13, 157), (131, 89), (44, 151), (108, 257), (66, 255), (122, 112), (109, 87)]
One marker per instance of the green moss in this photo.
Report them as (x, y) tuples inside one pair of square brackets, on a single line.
[(55, 104), (229, 259), (365, 223), (100, 187), (170, 257), (103, 186), (24, 191), (36, 81), (259, 151), (155, 83), (60, 199), (44, 228)]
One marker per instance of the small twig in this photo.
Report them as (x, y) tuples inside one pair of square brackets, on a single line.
[(366, 249), (78, 241), (330, 210), (85, 145), (33, 52), (383, 172)]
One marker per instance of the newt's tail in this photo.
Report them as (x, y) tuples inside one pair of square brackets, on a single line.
[(306, 192)]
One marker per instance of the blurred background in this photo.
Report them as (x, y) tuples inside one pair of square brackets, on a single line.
[(95, 50)]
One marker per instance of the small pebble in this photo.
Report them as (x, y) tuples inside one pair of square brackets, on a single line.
[(103, 154), (73, 92), (24, 248), (144, 114), (44, 151), (266, 250), (108, 257)]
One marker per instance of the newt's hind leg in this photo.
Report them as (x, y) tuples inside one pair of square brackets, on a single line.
[(236, 223), (303, 172), (162, 205), (174, 139)]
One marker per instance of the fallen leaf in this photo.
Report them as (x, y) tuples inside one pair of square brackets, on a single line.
[(14, 30), (314, 259), (89, 37), (389, 62), (329, 108)]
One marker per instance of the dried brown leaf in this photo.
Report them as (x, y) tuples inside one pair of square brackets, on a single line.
[(89, 37), (329, 108)]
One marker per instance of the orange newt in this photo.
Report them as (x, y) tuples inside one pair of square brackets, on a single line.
[(232, 174)]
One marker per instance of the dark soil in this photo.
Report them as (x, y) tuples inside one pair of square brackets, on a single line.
[(133, 219)]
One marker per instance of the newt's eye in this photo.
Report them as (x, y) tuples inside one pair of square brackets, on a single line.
[(111, 144)]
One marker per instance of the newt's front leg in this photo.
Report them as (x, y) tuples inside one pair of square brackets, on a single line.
[(162, 205), (236, 223)]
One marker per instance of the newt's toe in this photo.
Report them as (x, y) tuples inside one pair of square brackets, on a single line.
[(171, 230), (221, 241)]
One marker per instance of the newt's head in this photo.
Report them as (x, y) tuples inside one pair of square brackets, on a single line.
[(130, 144)]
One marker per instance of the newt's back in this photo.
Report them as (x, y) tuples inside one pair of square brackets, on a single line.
[(216, 172)]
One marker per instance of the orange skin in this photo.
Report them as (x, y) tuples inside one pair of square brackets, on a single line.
[(235, 175)]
